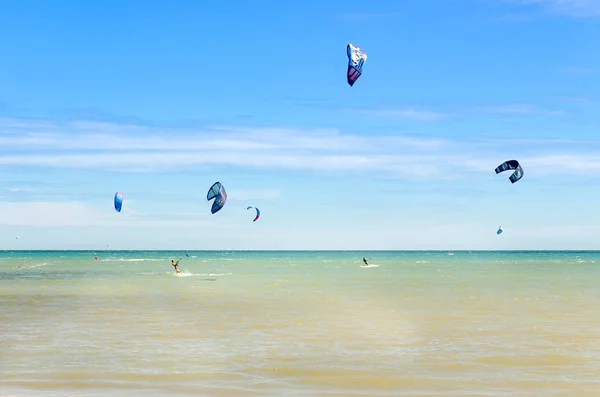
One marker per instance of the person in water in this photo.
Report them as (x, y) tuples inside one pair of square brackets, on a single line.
[(175, 264), (365, 260)]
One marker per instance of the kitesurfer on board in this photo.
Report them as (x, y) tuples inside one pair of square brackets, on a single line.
[(175, 264)]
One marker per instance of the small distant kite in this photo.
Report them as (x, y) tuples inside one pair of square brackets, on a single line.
[(257, 212), (118, 201), (500, 230), (356, 60), (217, 192), (511, 165)]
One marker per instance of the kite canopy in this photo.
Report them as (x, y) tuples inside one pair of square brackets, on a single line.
[(500, 230), (356, 60), (257, 212), (118, 201), (511, 165), (217, 192)]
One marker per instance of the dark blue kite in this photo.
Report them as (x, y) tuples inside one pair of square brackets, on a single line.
[(217, 192), (511, 165)]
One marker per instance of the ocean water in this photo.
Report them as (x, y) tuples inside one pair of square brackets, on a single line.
[(278, 323)]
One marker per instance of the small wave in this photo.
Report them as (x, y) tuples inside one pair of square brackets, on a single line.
[(371, 265), (186, 273), (423, 262), (132, 260), (37, 265)]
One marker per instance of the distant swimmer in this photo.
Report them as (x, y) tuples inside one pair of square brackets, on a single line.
[(175, 264), (365, 260)]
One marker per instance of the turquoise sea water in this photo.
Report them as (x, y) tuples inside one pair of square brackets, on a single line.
[(314, 323)]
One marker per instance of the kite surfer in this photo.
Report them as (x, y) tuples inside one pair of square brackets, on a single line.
[(365, 260), (175, 264)]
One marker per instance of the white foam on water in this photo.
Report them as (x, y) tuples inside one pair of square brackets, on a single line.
[(187, 273), (36, 265), (133, 260)]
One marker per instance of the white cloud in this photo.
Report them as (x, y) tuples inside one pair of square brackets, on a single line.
[(565, 162), (74, 213), (520, 109), (48, 214), (577, 70), (13, 123), (16, 189), (249, 194), (106, 146), (406, 113)]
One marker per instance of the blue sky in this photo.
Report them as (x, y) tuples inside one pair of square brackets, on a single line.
[(159, 100)]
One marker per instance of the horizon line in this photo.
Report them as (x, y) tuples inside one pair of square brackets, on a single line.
[(297, 250)]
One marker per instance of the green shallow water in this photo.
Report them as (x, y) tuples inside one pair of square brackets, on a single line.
[(300, 324)]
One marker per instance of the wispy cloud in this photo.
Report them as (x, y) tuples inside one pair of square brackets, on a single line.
[(571, 162), (405, 113), (577, 70), (51, 214), (17, 189), (248, 194), (138, 148), (572, 8), (132, 148), (575, 99), (420, 114), (520, 109), (75, 213)]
